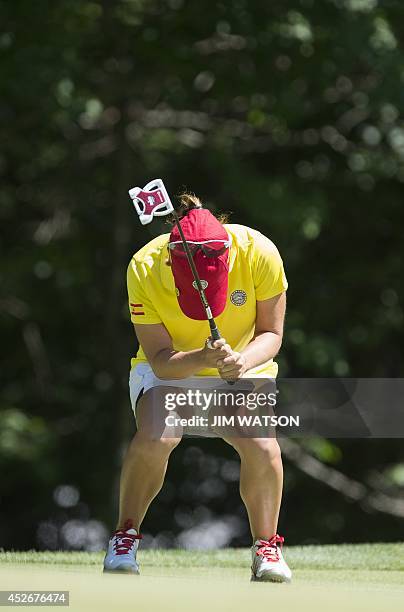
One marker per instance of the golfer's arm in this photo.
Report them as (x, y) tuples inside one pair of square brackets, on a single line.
[(268, 334), (166, 362), (170, 364)]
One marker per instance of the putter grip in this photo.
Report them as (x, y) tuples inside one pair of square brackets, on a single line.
[(215, 333)]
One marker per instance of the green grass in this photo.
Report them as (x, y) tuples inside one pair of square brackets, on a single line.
[(344, 578), (337, 557)]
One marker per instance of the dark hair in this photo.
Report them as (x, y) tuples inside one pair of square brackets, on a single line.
[(189, 201)]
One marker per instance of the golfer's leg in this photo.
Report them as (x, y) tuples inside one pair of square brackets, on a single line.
[(144, 467), (261, 480)]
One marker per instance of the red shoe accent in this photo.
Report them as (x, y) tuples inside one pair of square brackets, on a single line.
[(128, 524), (269, 548), (124, 540)]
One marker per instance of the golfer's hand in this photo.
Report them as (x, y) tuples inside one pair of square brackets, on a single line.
[(232, 367), (220, 349)]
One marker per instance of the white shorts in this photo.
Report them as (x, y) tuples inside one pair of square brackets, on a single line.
[(142, 378)]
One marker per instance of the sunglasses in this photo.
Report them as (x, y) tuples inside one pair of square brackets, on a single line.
[(211, 248)]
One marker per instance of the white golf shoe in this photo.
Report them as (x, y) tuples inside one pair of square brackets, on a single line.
[(122, 549), (268, 564)]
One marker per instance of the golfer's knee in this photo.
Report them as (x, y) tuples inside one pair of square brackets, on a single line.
[(152, 448), (259, 449)]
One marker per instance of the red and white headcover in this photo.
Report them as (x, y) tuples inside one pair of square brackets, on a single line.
[(152, 200)]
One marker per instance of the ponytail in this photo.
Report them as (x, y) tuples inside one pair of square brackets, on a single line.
[(189, 201)]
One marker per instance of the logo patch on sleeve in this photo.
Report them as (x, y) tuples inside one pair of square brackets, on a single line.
[(134, 309), (238, 297)]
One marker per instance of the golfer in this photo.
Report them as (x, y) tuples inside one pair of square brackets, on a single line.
[(245, 285)]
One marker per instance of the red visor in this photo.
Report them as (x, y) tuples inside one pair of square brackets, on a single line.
[(200, 226)]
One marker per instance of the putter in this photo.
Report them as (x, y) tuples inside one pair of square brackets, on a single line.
[(153, 200)]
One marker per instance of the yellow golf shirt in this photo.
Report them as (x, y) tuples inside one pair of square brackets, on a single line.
[(255, 273)]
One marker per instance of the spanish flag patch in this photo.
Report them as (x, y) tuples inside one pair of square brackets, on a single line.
[(134, 309)]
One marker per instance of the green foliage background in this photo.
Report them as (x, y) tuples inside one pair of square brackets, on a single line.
[(290, 115)]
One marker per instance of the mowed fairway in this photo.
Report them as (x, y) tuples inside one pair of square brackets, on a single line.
[(331, 578)]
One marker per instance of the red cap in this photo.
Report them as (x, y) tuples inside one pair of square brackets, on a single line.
[(200, 225)]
